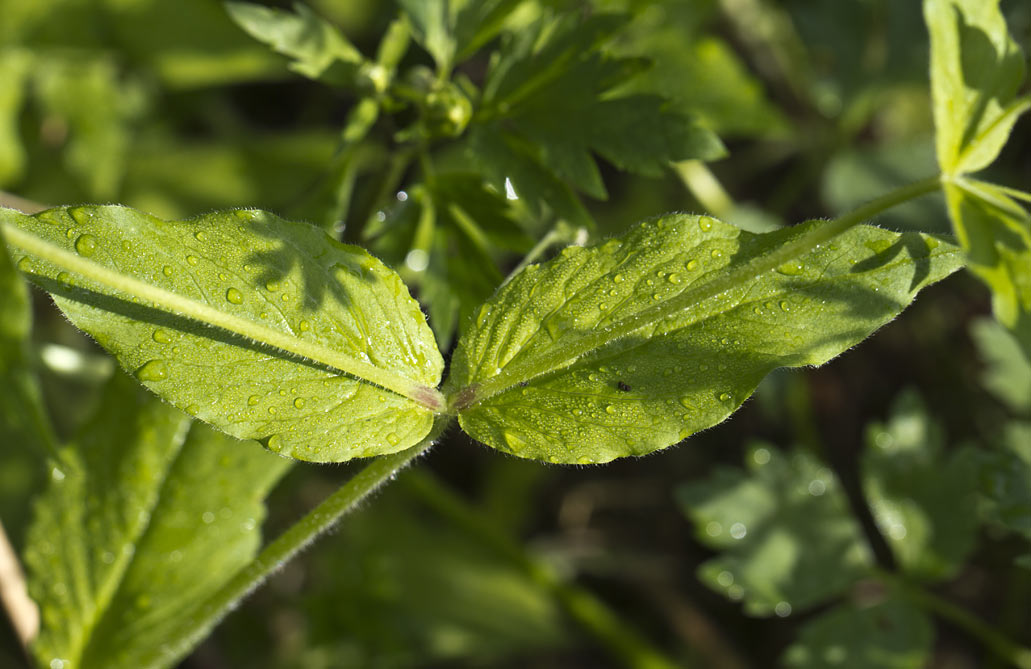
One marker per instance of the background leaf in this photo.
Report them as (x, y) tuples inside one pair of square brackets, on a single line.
[(788, 539), (892, 634), (314, 44), (287, 277), (976, 71), (142, 520), (578, 383)]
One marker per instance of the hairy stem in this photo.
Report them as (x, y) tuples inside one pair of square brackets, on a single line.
[(194, 627), (991, 638), (183, 306), (591, 613), (562, 356), (706, 188)]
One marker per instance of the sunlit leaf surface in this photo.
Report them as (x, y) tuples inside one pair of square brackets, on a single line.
[(603, 352)]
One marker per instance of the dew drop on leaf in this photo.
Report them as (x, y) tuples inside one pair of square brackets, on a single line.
[(513, 441), (791, 268), (155, 370), (192, 260), (167, 270), (161, 337), (724, 397), (704, 224), (303, 326), (691, 265), (393, 439), (299, 403), (253, 400), (610, 409), (234, 296), (275, 443), (24, 265), (716, 253), (86, 245), (673, 278), (200, 236)]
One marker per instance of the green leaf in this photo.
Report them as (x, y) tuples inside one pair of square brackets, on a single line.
[(923, 501), (976, 72), (445, 237), (431, 27), (317, 47), (1005, 481), (556, 88), (26, 434), (92, 101), (892, 634), (995, 233), (787, 537), (292, 311), (142, 520), (1007, 372), (631, 346), (14, 70)]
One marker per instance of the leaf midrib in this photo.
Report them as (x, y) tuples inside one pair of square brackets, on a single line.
[(561, 358)]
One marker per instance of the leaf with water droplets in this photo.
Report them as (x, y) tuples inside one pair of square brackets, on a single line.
[(539, 374), (265, 328), (144, 518)]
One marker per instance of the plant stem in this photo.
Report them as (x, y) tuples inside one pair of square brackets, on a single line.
[(194, 627), (581, 605), (562, 356), (14, 597), (992, 639), (560, 232), (183, 306), (706, 188)]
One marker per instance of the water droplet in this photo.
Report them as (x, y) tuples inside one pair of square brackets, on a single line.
[(161, 337), (705, 224), (691, 265), (272, 410), (610, 409), (167, 270), (24, 265), (932, 243), (725, 397), (86, 245), (200, 236), (791, 268), (716, 253), (192, 409), (234, 296), (617, 278), (685, 401), (513, 440), (673, 278), (393, 439), (64, 277), (299, 403), (482, 317), (253, 400), (785, 306), (275, 443), (303, 326), (155, 370), (271, 286), (192, 260)]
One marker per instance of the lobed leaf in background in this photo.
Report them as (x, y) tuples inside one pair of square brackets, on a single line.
[(144, 518), (923, 500), (977, 71), (551, 101), (290, 308), (888, 634), (633, 345), (787, 538)]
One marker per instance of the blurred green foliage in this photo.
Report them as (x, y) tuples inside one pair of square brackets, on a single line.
[(171, 107)]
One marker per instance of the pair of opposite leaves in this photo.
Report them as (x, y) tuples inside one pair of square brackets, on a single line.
[(249, 322)]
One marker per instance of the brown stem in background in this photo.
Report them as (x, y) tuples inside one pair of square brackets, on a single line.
[(12, 201), (14, 595)]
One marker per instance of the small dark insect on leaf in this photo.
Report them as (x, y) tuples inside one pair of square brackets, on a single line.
[(623, 387), (523, 384)]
